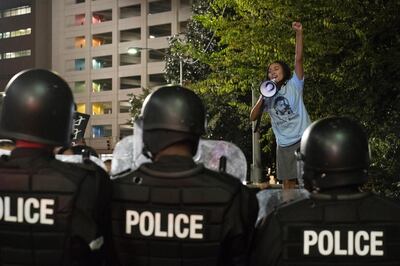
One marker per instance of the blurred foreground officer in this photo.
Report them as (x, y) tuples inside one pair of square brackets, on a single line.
[(51, 213), (338, 224), (172, 211)]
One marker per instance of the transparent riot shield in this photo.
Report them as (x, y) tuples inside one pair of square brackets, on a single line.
[(224, 156), (269, 199), (214, 154), (127, 155)]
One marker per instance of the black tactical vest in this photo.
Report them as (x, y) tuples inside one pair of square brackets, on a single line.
[(171, 218), (46, 212), (359, 229)]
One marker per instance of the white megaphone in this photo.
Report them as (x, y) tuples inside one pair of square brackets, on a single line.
[(268, 88)]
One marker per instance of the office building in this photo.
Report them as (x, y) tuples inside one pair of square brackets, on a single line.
[(25, 37), (90, 42)]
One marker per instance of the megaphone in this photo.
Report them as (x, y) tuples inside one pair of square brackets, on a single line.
[(268, 88)]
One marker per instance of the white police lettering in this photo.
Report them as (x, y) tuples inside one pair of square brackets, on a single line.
[(179, 225), (359, 243), (29, 210)]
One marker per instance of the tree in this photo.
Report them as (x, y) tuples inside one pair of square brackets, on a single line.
[(351, 53)]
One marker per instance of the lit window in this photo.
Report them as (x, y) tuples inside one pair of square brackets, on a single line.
[(102, 62), (80, 42), (81, 108), (102, 108), (101, 16), (80, 19), (102, 85), (9, 55), (79, 64), (101, 131), (101, 39), (22, 10)]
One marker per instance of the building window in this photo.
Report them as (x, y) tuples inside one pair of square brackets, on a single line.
[(157, 80), (186, 3), (183, 26), (124, 107), (101, 131), (125, 130), (157, 55), (102, 62), (79, 19), (129, 59), (101, 16), (162, 30), (22, 10), (10, 55), (79, 87), (81, 108), (129, 35), (130, 11), (100, 85), (101, 108), (80, 42), (159, 6), (102, 39), (79, 64), (16, 33), (130, 82)]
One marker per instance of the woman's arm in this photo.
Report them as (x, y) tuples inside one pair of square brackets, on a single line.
[(298, 59), (257, 109)]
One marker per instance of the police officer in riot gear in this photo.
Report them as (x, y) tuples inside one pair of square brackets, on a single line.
[(338, 224), (51, 212), (172, 211)]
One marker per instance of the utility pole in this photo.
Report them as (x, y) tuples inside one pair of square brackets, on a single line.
[(256, 170)]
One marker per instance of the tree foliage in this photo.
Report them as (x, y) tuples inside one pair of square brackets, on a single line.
[(351, 67), (136, 102)]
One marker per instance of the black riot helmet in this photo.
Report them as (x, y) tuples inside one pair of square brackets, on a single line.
[(38, 106), (335, 153), (172, 114)]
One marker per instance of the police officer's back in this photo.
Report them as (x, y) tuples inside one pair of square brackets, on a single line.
[(51, 213), (172, 211), (338, 224)]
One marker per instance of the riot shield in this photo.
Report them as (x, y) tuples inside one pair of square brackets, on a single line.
[(216, 155), (223, 156), (269, 199), (126, 158)]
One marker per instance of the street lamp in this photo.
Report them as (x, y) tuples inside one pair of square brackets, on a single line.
[(135, 50)]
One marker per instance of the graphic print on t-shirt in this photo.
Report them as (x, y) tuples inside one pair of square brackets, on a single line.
[(282, 106)]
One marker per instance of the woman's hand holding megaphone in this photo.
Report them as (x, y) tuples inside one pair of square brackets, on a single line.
[(268, 88)]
